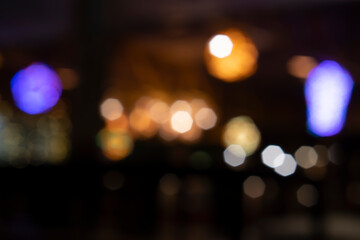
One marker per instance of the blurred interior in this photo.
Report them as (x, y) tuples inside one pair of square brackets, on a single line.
[(180, 120)]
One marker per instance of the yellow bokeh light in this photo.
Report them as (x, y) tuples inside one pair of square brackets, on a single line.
[(301, 66), (141, 123), (205, 118), (111, 109), (181, 121), (116, 145), (239, 64), (242, 131)]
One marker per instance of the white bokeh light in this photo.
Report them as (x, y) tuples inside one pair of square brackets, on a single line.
[(220, 46), (181, 121), (234, 155), (272, 156), (288, 166)]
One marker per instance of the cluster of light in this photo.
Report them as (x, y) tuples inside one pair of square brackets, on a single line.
[(307, 195), (111, 109), (36, 89), (274, 157), (301, 66), (328, 91), (231, 56), (242, 131), (234, 155), (254, 187)]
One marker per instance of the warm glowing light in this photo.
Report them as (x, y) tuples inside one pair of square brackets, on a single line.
[(205, 118), (167, 133), (301, 66), (272, 156), (191, 136), (111, 109), (113, 180), (121, 123), (36, 89), (141, 123), (231, 63), (181, 121), (234, 155), (170, 184), (328, 91), (254, 187), (306, 157), (307, 195), (288, 166), (242, 131), (220, 46), (159, 112), (180, 105), (116, 145)]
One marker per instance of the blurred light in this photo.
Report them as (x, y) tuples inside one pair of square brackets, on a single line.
[(315, 173), (69, 78), (141, 122), (231, 64), (167, 133), (169, 184), (306, 157), (205, 118), (121, 123), (200, 160), (234, 155), (242, 131), (288, 166), (113, 180), (301, 66), (193, 135), (197, 104), (111, 109), (307, 195), (180, 105), (323, 155), (159, 112), (273, 156), (181, 121), (116, 145), (220, 46), (36, 89), (254, 187), (328, 91)]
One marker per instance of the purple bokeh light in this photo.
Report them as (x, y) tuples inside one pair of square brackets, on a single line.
[(36, 89), (328, 91)]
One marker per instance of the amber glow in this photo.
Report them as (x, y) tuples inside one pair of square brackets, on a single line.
[(116, 145), (141, 123), (181, 121), (205, 118), (111, 109)]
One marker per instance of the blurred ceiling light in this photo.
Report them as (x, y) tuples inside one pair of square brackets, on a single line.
[(328, 91), (306, 157), (181, 121), (115, 145), (307, 195), (301, 66), (234, 155), (169, 184), (180, 105), (69, 78), (288, 166), (273, 156), (231, 62), (242, 131), (159, 112), (220, 46), (36, 89), (111, 109), (205, 118), (113, 180), (254, 187)]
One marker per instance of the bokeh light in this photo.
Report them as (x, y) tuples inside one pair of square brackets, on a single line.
[(242, 131), (111, 109), (231, 63), (115, 145), (141, 123), (159, 112), (301, 66), (181, 121), (306, 157), (180, 105), (234, 155), (205, 118), (254, 187), (170, 184), (307, 195), (220, 46), (328, 91), (272, 156), (288, 166), (36, 89)]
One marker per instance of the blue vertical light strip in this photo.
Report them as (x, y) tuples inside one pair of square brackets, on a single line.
[(36, 89), (328, 91)]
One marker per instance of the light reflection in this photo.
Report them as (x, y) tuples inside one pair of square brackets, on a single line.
[(328, 91), (254, 187)]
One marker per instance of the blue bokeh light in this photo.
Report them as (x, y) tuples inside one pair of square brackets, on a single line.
[(328, 91), (36, 89)]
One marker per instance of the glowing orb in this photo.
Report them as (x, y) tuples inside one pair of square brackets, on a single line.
[(220, 46), (327, 91), (36, 89)]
